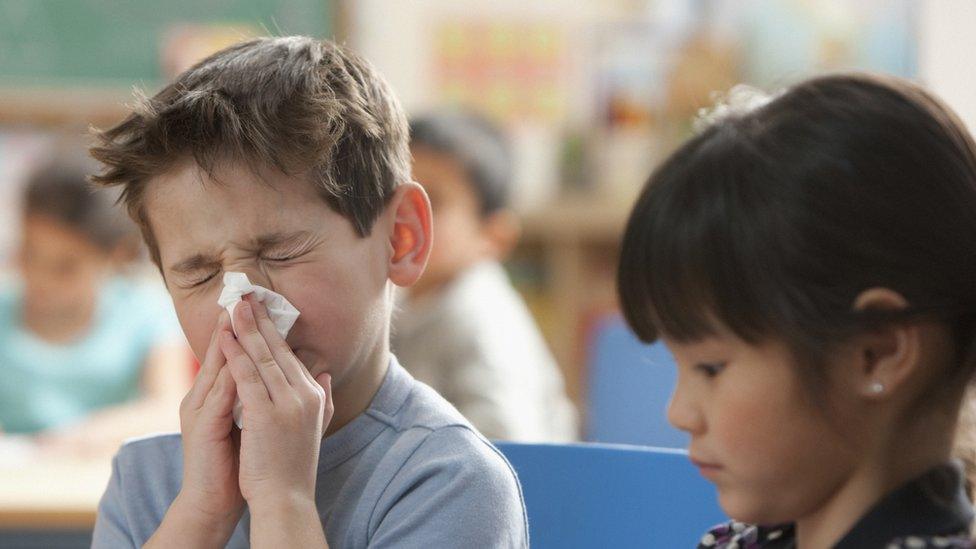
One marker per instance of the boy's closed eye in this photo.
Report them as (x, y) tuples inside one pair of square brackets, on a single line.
[(194, 271), (281, 256), (280, 259), (282, 248), (196, 279), (202, 280)]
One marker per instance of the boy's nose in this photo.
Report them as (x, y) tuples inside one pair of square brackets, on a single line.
[(259, 278)]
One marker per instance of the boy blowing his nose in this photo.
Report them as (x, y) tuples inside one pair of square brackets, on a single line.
[(287, 159)]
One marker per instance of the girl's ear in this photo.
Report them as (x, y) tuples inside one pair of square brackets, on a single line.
[(410, 234), (887, 357)]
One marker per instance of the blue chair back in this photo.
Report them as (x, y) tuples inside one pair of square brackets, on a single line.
[(598, 495), (629, 386)]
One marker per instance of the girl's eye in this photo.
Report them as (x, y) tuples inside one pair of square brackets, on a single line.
[(710, 369)]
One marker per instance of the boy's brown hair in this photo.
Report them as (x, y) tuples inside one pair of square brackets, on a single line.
[(295, 104)]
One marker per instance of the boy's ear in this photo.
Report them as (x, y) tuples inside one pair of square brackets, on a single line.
[(502, 229), (411, 234), (888, 356)]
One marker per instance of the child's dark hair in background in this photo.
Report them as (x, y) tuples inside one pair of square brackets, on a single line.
[(60, 192), (477, 145), (797, 213)]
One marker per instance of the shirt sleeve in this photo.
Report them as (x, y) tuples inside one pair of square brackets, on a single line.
[(455, 490), (111, 526)]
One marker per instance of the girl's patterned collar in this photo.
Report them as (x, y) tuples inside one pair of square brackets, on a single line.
[(930, 511)]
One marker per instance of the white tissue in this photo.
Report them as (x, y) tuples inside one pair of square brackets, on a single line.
[(281, 312)]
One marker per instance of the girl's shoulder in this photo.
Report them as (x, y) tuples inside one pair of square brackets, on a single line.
[(738, 535)]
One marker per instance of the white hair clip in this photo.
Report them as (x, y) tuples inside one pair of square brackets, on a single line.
[(738, 101)]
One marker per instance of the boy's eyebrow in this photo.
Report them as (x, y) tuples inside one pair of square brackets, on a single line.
[(194, 263)]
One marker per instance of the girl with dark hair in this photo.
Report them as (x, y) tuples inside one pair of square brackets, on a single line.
[(810, 260)]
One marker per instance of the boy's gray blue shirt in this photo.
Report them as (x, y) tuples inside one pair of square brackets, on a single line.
[(410, 471)]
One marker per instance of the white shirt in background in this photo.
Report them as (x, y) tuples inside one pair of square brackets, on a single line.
[(476, 343)]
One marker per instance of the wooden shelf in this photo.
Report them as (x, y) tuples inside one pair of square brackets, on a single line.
[(576, 241), (576, 218)]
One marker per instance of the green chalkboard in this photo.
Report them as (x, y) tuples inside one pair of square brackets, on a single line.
[(117, 42)]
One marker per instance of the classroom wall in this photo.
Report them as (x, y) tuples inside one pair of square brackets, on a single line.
[(947, 38)]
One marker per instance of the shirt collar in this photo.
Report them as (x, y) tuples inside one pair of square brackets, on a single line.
[(933, 504)]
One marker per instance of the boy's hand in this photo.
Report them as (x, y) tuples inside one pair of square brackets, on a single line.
[(210, 444), (285, 412)]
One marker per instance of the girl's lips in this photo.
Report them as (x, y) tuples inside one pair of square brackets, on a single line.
[(707, 470), (705, 466)]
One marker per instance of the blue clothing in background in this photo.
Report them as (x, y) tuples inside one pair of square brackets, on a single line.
[(46, 385)]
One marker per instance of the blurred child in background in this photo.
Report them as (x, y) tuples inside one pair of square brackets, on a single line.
[(463, 329), (810, 261), (87, 357)]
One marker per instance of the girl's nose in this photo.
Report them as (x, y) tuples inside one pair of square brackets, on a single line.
[(684, 412)]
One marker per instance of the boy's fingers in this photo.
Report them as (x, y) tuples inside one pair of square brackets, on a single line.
[(292, 368), (324, 380), (250, 338), (213, 360), (250, 384), (220, 399)]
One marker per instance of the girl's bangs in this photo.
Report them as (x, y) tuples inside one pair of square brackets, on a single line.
[(692, 260)]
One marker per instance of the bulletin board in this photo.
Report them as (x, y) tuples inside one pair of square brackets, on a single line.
[(107, 43)]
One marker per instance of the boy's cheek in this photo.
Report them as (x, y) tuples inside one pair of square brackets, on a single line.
[(198, 324), (312, 291)]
